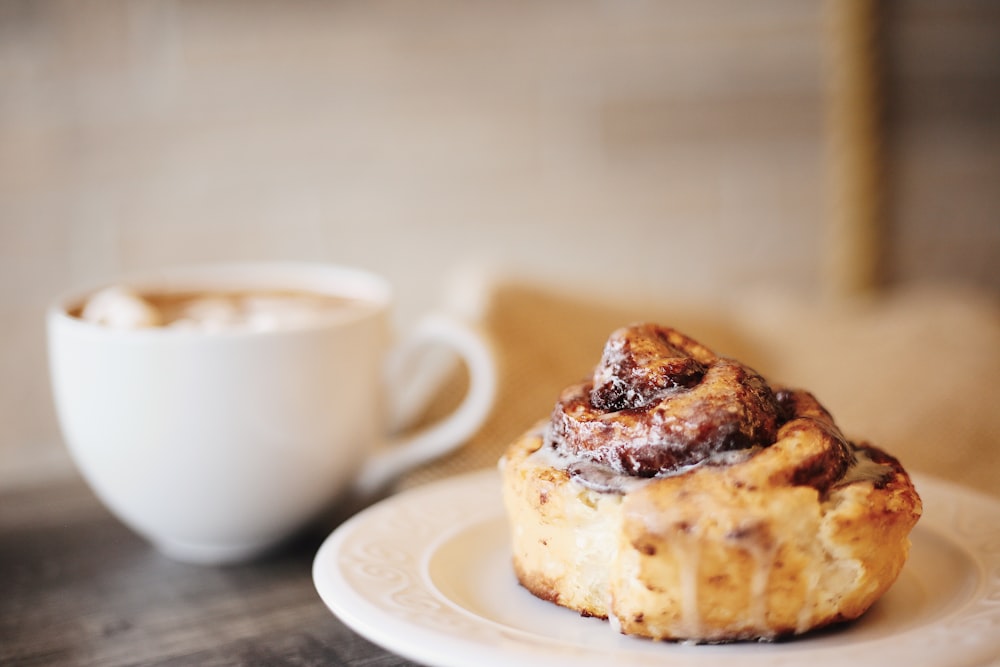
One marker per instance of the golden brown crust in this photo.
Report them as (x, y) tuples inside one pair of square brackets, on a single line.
[(800, 532), (659, 401)]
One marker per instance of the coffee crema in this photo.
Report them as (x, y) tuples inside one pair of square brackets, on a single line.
[(214, 310)]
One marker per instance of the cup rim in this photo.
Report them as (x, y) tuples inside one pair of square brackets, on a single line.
[(319, 277)]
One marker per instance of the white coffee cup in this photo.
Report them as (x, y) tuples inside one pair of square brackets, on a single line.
[(218, 446)]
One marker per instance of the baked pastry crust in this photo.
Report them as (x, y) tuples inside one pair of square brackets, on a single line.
[(758, 536)]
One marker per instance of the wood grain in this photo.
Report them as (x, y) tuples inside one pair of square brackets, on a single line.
[(78, 588)]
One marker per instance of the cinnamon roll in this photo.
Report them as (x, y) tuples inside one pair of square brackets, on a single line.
[(681, 496)]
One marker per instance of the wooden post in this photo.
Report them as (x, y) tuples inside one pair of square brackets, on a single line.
[(855, 207)]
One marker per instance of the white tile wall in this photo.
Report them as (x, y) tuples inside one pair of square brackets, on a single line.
[(664, 149)]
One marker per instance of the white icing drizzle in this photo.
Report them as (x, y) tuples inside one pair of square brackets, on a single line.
[(613, 620), (687, 552), (804, 620), (604, 479), (763, 553), (864, 469)]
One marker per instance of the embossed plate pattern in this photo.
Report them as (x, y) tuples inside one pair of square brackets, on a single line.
[(426, 574)]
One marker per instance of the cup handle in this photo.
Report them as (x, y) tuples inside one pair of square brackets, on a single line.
[(409, 398)]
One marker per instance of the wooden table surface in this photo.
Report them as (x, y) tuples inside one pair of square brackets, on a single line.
[(79, 588)]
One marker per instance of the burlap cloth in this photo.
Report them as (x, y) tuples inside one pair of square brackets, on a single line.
[(917, 372)]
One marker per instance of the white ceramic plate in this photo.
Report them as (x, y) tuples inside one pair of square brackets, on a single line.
[(426, 574)]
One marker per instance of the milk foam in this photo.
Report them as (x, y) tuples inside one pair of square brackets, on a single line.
[(121, 308)]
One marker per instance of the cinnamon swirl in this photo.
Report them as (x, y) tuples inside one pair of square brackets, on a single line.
[(682, 497)]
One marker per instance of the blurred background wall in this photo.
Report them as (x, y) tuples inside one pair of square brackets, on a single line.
[(670, 150)]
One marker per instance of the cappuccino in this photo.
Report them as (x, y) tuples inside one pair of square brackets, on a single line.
[(218, 446), (213, 311)]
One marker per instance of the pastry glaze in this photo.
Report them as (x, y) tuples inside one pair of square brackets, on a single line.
[(677, 494), (659, 401)]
